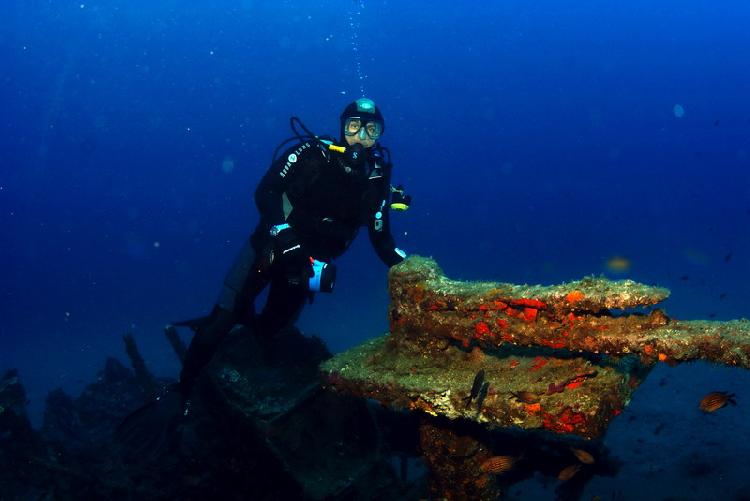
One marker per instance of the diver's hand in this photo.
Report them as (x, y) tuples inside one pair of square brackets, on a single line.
[(399, 199), (287, 247), (289, 256)]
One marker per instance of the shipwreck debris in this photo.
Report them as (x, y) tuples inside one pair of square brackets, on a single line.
[(145, 379), (438, 387), (563, 359), (170, 332), (592, 315)]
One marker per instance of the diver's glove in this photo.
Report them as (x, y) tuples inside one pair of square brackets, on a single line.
[(399, 199), (289, 254), (286, 244)]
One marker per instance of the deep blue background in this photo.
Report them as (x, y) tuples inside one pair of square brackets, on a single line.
[(537, 138)]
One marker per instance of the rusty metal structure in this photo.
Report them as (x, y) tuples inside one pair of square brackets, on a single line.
[(554, 362)]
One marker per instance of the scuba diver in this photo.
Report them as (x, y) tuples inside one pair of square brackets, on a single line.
[(312, 202)]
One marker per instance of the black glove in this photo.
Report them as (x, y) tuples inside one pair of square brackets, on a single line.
[(399, 199), (290, 257), (287, 247)]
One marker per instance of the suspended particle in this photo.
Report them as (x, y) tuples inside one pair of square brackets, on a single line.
[(227, 166), (678, 111)]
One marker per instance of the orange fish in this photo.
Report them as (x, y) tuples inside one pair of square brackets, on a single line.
[(716, 400), (498, 464), (618, 264), (568, 472), (583, 456)]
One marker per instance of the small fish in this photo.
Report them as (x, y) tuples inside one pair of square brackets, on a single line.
[(498, 464), (716, 400), (618, 264), (568, 472), (728, 257), (475, 387), (483, 391), (722, 296), (584, 457), (583, 376), (526, 397), (577, 379), (685, 278)]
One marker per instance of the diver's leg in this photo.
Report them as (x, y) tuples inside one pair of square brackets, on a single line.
[(242, 284), (202, 347), (241, 281), (284, 305)]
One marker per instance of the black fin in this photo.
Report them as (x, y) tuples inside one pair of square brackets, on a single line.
[(152, 428), (193, 323)]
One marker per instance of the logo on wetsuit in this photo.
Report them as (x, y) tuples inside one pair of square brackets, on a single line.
[(292, 158)]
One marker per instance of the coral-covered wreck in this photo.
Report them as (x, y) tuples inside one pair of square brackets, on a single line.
[(488, 364)]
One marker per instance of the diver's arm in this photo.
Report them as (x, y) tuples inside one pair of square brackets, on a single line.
[(379, 229), (270, 196)]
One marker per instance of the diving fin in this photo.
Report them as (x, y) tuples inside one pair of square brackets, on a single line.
[(197, 323), (194, 323), (152, 428)]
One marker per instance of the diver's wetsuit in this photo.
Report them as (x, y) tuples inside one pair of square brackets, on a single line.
[(325, 203)]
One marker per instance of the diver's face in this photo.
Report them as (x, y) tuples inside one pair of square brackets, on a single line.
[(362, 131), (367, 142)]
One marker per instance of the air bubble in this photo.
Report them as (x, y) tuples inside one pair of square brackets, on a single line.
[(355, 25)]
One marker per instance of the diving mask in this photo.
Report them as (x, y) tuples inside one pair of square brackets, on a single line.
[(354, 126)]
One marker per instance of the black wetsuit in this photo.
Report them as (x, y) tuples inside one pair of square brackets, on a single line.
[(325, 203)]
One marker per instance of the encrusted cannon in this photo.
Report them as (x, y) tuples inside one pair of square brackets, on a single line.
[(593, 315), (561, 359)]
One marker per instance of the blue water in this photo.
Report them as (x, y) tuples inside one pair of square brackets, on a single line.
[(538, 139)]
